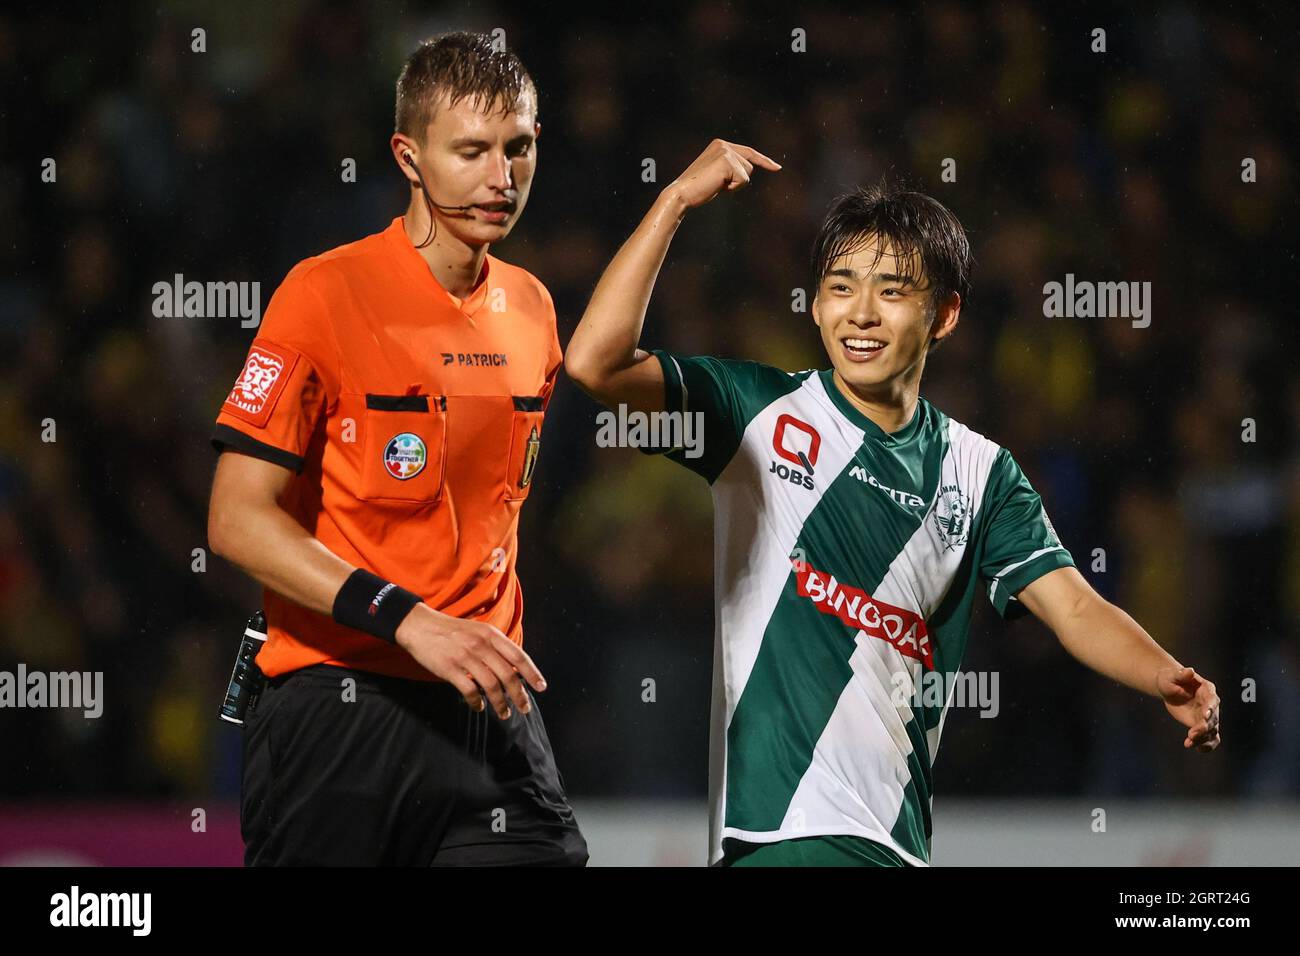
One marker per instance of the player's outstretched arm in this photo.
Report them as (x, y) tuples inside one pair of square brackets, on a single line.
[(1108, 640), (247, 526), (603, 357)]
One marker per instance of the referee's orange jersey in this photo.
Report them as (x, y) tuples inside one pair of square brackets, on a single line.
[(412, 421)]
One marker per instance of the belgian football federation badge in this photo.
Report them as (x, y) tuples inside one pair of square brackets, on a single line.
[(530, 458)]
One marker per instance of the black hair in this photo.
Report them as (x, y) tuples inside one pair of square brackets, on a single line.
[(916, 226)]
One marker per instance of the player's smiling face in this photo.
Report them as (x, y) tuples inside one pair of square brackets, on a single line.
[(477, 156), (876, 317)]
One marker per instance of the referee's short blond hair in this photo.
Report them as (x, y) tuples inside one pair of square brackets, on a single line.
[(460, 65)]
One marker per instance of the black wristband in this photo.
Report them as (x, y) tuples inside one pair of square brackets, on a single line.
[(370, 604)]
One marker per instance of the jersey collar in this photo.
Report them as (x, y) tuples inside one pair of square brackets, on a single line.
[(414, 263), (847, 409)]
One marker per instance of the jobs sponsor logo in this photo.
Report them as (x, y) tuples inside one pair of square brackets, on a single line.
[(977, 690), (1103, 300), (75, 908), (902, 629), (37, 689), (799, 444), (208, 300), (661, 430)]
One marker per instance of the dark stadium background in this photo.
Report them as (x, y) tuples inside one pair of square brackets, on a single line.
[(225, 165)]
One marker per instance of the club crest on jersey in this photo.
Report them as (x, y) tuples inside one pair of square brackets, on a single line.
[(798, 443), (261, 371), (952, 516), (405, 455)]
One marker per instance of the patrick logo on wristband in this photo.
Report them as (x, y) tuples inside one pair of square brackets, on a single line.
[(374, 604)]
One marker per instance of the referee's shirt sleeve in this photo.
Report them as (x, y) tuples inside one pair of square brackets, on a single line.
[(1019, 544), (288, 379)]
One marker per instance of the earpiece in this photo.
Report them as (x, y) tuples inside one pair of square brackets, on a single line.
[(409, 159)]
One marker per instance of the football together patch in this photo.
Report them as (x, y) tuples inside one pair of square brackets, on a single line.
[(405, 455)]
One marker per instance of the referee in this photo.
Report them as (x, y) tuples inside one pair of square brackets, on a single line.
[(380, 441)]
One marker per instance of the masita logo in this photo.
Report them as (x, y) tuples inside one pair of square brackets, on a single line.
[(902, 497), (903, 629), (798, 443)]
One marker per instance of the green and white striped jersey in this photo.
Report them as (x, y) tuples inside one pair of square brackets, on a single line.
[(846, 562)]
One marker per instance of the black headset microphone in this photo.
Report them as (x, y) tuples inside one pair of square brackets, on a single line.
[(428, 201)]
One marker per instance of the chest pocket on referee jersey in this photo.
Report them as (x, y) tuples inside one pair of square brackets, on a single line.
[(525, 443), (404, 449)]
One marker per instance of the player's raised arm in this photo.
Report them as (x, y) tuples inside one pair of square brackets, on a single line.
[(1106, 639), (603, 357)]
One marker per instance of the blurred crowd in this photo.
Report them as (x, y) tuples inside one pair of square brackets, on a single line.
[(1123, 165)]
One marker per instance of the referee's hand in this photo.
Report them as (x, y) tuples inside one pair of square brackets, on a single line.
[(474, 657)]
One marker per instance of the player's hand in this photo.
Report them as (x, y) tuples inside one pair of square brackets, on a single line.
[(721, 166), (474, 657), (1194, 704)]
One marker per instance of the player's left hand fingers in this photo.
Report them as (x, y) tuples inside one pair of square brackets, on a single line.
[(1207, 703), (1204, 735)]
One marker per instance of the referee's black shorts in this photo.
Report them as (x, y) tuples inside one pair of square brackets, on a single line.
[(404, 775)]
